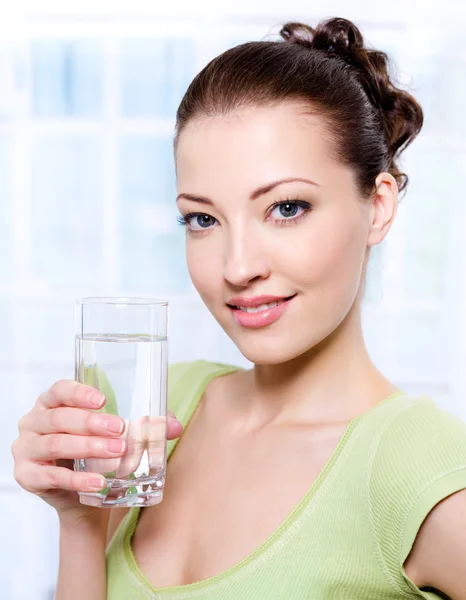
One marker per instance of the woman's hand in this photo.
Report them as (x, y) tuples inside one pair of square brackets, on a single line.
[(64, 425)]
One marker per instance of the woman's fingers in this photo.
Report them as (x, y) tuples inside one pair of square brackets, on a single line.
[(174, 427), (65, 424), (68, 392), (146, 434), (103, 465), (40, 478), (66, 446), (76, 421)]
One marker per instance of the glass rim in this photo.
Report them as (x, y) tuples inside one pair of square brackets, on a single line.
[(122, 300)]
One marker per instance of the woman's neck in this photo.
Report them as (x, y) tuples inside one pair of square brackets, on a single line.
[(333, 382)]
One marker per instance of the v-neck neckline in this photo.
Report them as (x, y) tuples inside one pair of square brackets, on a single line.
[(283, 526)]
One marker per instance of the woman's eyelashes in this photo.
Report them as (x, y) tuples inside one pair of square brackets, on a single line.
[(288, 212), (196, 221), (282, 213)]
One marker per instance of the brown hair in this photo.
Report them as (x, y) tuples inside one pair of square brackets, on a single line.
[(328, 69)]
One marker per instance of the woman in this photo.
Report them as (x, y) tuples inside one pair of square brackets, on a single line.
[(310, 475)]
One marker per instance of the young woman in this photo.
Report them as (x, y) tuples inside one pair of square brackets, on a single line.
[(310, 475)]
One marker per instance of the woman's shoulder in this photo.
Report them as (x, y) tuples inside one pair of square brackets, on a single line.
[(187, 380), (187, 373), (418, 458), (418, 428), (195, 369), (416, 443)]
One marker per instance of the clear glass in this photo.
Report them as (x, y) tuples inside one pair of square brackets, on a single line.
[(121, 350)]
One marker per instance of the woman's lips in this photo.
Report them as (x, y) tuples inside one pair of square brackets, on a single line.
[(262, 317)]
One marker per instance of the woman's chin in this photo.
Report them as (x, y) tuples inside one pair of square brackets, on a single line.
[(275, 344), (268, 354)]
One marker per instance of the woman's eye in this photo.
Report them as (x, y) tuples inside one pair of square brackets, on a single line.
[(286, 210), (198, 222)]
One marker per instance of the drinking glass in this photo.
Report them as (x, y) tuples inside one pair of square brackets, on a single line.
[(121, 350)]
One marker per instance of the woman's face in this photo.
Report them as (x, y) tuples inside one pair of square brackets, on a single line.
[(279, 265)]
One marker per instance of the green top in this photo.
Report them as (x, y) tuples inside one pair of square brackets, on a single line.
[(353, 529)]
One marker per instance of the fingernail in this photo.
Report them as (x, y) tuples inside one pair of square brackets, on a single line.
[(116, 446), (95, 398), (96, 482), (115, 425)]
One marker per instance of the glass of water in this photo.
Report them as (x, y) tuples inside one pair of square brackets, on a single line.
[(121, 350)]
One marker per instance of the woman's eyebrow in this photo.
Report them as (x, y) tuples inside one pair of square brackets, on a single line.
[(267, 188), (264, 189), (200, 199)]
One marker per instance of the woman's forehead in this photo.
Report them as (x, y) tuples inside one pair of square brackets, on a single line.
[(258, 124), (264, 143)]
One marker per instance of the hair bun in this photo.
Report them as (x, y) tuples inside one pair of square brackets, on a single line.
[(335, 35), (400, 115)]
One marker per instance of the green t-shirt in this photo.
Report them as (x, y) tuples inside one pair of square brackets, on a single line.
[(349, 536)]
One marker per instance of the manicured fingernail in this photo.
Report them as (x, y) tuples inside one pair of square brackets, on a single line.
[(115, 425), (116, 446), (96, 482), (95, 398)]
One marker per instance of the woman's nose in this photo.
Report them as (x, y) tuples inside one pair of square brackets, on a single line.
[(245, 259)]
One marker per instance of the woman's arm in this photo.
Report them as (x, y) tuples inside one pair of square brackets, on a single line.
[(116, 516), (82, 567)]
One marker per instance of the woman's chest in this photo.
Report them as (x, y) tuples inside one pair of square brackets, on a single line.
[(224, 496)]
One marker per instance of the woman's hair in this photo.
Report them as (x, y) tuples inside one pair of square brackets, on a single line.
[(327, 70)]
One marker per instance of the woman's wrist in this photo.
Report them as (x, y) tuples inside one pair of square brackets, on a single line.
[(94, 521), (82, 551)]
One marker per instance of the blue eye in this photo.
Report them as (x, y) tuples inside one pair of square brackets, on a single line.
[(201, 221), (282, 213), (197, 221), (286, 210)]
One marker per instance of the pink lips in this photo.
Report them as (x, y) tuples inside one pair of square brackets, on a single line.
[(260, 318)]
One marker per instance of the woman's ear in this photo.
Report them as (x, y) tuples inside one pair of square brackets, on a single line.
[(383, 208)]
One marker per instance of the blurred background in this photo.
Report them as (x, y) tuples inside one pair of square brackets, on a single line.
[(88, 94)]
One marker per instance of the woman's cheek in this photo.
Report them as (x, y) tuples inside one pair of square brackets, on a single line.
[(204, 267)]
